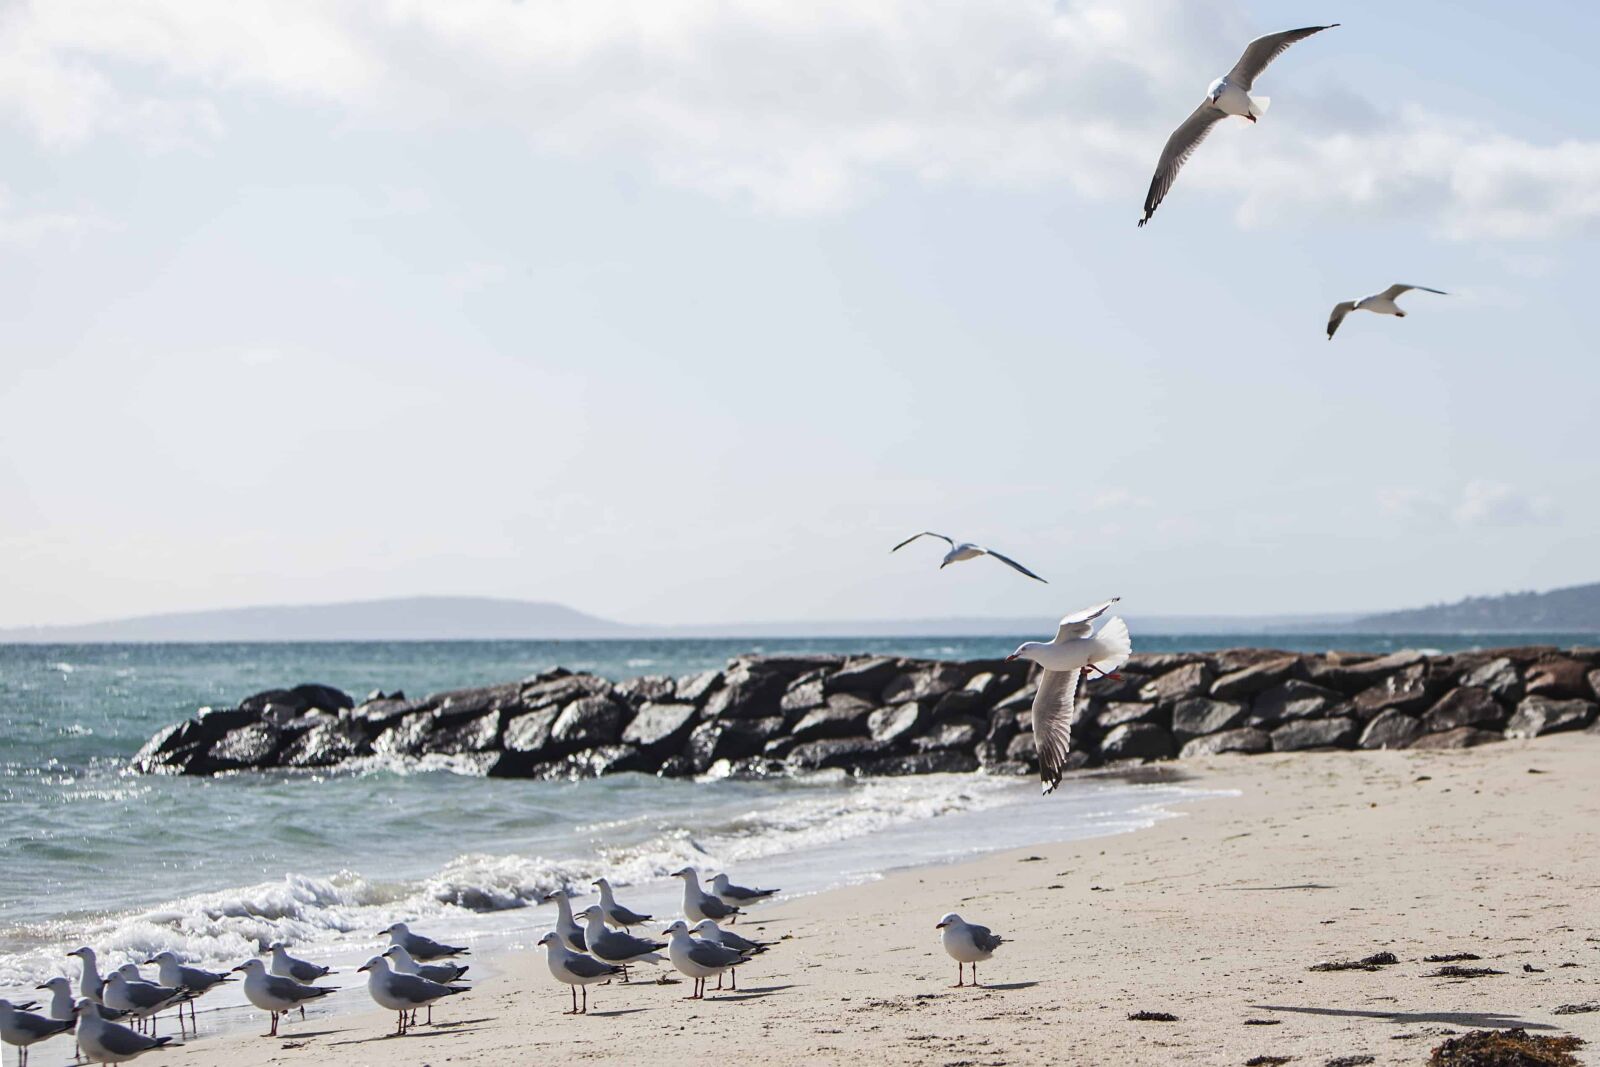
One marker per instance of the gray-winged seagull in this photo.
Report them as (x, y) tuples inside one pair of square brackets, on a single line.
[(404, 993), (1073, 653), (965, 550), (108, 1042), (196, 980), (710, 931), (615, 913), (1379, 303), (421, 948), (23, 1028), (575, 969), (967, 943), (616, 946), (697, 903), (697, 959), (1228, 95), (275, 994), (567, 926), (737, 895)]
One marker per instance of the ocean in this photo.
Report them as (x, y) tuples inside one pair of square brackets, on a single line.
[(216, 868)]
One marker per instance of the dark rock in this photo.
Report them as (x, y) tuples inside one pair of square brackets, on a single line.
[(1559, 677), (675, 767), (959, 702), (1499, 677), (1391, 729), (694, 688), (1292, 699), (1129, 711), (1538, 715), (1160, 662), (802, 697), (834, 752), (791, 668), (897, 722), (751, 768), (1594, 684), (1192, 679), (550, 689), (1351, 675), (464, 703), (1115, 689), (933, 681), (1248, 681), (843, 715), (249, 747), (1021, 700), (1461, 737), (651, 688), (479, 733), (659, 726), (602, 759), (407, 736), (1023, 749), (1194, 716), (1305, 734), (944, 761), (590, 722), (1407, 690), (1137, 740), (326, 697), (1466, 706), (779, 747), (327, 745), (1247, 739), (730, 739), (283, 698), (530, 732), (961, 733), (747, 692), (866, 676)]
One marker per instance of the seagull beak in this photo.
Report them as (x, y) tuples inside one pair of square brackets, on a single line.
[(940, 926), (1011, 658), (1252, 118), (363, 967), (236, 969)]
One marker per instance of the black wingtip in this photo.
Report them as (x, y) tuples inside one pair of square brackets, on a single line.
[(1143, 221)]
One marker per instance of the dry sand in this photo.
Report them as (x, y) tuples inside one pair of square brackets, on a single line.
[(1214, 917)]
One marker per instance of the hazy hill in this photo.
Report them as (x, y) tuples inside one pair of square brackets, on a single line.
[(1575, 608)]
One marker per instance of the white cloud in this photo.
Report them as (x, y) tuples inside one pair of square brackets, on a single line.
[(1489, 503), (795, 107), (22, 227), (1119, 499)]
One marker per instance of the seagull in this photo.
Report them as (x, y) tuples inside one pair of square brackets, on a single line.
[(698, 960), (421, 948), (286, 966), (710, 931), (566, 925), (697, 903), (109, 1042), (967, 943), (615, 913), (616, 946), (1228, 95), (197, 981), (275, 994), (140, 999), (404, 992), (89, 982), (575, 969), (966, 550), (1073, 654), (63, 1007), (1382, 303), (444, 973), (23, 1028), (736, 895)]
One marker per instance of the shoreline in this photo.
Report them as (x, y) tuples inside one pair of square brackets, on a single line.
[(1214, 917)]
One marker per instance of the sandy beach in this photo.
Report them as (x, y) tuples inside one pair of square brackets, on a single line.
[(1215, 917)]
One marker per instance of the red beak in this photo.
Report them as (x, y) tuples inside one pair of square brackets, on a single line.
[(1011, 657)]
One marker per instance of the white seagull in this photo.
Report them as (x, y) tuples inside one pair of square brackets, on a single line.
[(967, 943), (1228, 95), (699, 905), (575, 969), (569, 929), (90, 983), (275, 994), (615, 913), (1073, 653), (1381, 303), (421, 948), (172, 972), (964, 550), (108, 1042), (23, 1028), (697, 959), (404, 993)]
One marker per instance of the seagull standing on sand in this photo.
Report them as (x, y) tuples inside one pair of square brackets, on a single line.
[(23, 1028), (566, 925), (737, 895), (140, 999), (699, 905), (90, 983), (421, 948), (108, 1042), (404, 993), (615, 913), (286, 966), (194, 979), (617, 946), (274, 993), (575, 969), (710, 931), (967, 943), (1381, 303), (697, 959), (1228, 95), (444, 973), (63, 1006), (1074, 653), (966, 550)]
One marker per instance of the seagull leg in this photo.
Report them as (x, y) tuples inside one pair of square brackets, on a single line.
[(585, 1001), (733, 978), (974, 972), (961, 976), (272, 1031), (624, 974), (430, 1012)]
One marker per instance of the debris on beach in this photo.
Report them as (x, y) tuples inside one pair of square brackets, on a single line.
[(1506, 1048), (1153, 1017), (1577, 1009), (1463, 972), (1529, 968), (1266, 1061), (1366, 963), (1452, 957), (1350, 1061), (1262, 1022)]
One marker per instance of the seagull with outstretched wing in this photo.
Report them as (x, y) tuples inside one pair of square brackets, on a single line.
[(1378, 303), (964, 550), (1228, 95)]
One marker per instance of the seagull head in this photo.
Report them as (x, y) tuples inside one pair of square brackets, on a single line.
[(594, 913), (1024, 651), (686, 872), (377, 965), (679, 927), (600, 883), (705, 926), (398, 928), (949, 920), (55, 984), (84, 953), (552, 938), (250, 967)]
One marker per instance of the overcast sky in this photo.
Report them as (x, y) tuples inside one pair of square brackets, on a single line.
[(688, 311)]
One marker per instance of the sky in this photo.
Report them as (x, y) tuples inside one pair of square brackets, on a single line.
[(684, 311)]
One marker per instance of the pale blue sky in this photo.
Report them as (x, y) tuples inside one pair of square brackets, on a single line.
[(685, 312)]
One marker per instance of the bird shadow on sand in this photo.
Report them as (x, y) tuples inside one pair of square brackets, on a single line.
[(735, 995), (1008, 985), (432, 1031), (1487, 1020), (308, 1034), (614, 1013), (1271, 888)]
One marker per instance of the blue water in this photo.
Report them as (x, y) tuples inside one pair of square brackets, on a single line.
[(213, 868)]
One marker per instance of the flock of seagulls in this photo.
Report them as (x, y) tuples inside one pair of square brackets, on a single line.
[(1230, 95)]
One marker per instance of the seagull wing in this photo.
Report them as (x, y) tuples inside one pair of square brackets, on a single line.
[(1014, 565), (1396, 289), (1077, 624), (924, 533), (707, 954), (589, 967), (1180, 146), (1052, 723), (985, 938), (1263, 50), (1340, 310)]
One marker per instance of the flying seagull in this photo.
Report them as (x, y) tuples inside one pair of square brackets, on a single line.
[(967, 943), (1074, 652), (1228, 95), (966, 550), (1381, 303)]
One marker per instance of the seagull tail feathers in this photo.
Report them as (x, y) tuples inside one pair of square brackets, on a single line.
[(1259, 105), (1114, 645)]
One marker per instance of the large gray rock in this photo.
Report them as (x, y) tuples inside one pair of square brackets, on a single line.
[(694, 688), (963, 733), (660, 726), (1019, 700), (1303, 734), (1248, 681), (1464, 706), (1023, 749), (1195, 716), (529, 733), (1538, 715), (867, 676), (1409, 689), (730, 739), (846, 752), (1559, 677), (556, 688), (1247, 739), (943, 761), (802, 697), (748, 692), (1123, 686), (1461, 737), (1116, 714), (1350, 675), (466, 703), (590, 721), (649, 688), (897, 722), (925, 683), (1293, 699), (1391, 729), (1499, 677), (248, 748), (843, 715), (1137, 740), (1191, 679), (458, 735)]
